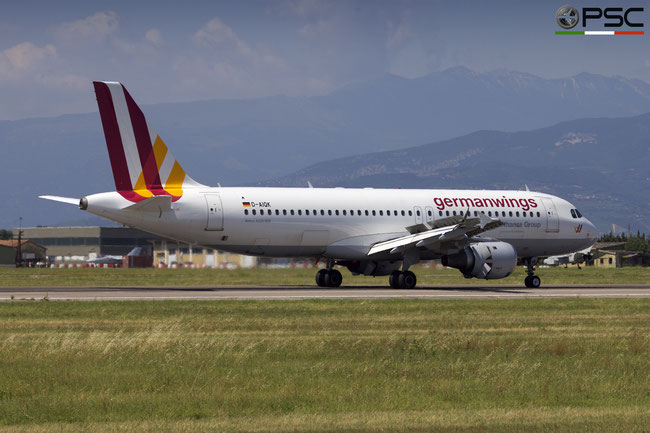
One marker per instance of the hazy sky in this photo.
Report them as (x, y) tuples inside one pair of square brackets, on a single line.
[(164, 51)]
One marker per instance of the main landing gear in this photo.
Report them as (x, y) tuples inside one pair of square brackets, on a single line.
[(532, 281), (329, 277), (402, 280)]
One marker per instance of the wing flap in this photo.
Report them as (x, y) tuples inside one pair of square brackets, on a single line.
[(459, 229)]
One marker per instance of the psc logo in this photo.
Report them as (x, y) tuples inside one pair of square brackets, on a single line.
[(568, 17)]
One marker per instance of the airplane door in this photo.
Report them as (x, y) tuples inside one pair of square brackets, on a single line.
[(215, 212), (552, 218), (417, 210), (429, 214)]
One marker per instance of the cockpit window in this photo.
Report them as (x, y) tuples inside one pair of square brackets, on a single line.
[(578, 213), (573, 213)]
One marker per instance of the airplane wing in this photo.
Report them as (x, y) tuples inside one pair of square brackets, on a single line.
[(74, 201), (460, 228)]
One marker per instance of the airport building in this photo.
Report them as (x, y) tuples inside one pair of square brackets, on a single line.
[(614, 255), (32, 253), (169, 253), (76, 245)]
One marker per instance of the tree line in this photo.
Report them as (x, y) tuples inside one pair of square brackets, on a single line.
[(637, 242)]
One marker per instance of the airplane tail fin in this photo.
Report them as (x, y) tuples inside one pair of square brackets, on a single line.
[(142, 165)]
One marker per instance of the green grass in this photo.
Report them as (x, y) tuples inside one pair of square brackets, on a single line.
[(573, 365), (217, 277)]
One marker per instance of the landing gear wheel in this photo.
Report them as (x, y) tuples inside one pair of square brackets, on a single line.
[(407, 280), (393, 279), (320, 278), (333, 278), (533, 282)]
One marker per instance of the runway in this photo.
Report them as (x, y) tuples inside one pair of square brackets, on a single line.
[(313, 292)]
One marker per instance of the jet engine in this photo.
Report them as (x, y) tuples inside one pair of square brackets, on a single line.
[(485, 260)]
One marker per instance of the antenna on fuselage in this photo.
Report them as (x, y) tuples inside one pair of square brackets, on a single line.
[(309, 184)]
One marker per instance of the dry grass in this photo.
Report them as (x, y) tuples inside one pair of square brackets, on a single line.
[(327, 365)]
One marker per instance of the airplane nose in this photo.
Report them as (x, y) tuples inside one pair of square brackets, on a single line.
[(591, 231)]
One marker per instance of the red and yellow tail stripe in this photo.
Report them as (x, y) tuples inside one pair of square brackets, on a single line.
[(142, 164)]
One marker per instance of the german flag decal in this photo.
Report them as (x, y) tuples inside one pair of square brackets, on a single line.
[(246, 204)]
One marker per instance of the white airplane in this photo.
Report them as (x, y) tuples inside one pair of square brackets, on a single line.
[(370, 231)]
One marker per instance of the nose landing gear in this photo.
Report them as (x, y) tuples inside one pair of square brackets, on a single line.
[(532, 281)]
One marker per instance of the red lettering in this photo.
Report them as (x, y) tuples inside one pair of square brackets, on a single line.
[(448, 202), (532, 202)]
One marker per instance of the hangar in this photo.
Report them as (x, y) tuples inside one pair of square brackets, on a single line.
[(32, 253)]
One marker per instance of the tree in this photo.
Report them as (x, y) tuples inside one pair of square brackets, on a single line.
[(5, 234)]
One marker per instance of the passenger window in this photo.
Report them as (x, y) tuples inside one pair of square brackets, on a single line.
[(292, 213), (429, 212), (254, 212), (403, 213), (299, 211), (517, 213), (336, 212), (538, 214), (489, 213), (245, 211), (344, 212), (322, 212), (277, 212), (374, 213), (284, 211), (366, 212), (388, 213), (523, 213), (395, 213), (454, 213), (329, 212), (381, 213), (510, 213), (417, 212), (351, 212), (503, 213), (573, 214), (439, 213), (475, 213), (447, 213), (410, 213)]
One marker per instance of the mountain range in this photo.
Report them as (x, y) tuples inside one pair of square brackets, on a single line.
[(600, 165), (238, 142)]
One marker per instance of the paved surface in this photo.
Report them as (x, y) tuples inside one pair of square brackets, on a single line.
[(306, 292)]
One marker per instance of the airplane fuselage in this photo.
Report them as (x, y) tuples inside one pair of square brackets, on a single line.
[(343, 223)]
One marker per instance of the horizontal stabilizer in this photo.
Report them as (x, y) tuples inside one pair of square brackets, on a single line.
[(74, 201), (159, 203)]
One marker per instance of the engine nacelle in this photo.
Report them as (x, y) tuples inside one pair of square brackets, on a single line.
[(485, 260), (371, 267)]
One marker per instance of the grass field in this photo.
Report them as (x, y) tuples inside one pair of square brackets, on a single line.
[(300, 276), (570, 365)]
